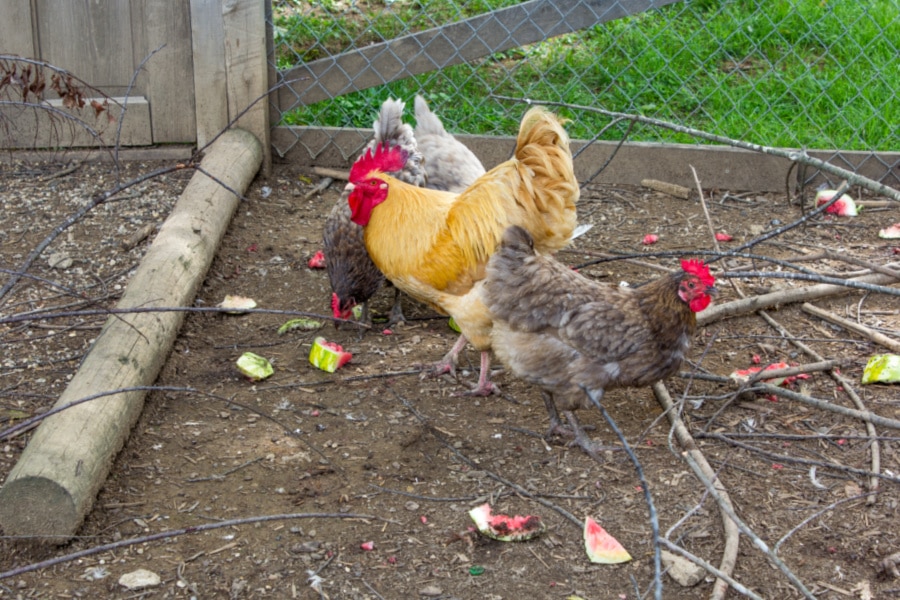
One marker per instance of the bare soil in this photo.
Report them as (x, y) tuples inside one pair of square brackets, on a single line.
[(374, 439)]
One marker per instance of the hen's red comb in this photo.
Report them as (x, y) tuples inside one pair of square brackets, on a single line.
[(699, 268), (385, 160)]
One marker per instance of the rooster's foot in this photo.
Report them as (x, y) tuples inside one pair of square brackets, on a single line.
[(480, 389), (443, 367)]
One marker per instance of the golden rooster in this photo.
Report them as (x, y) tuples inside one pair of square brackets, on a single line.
[(435, 245)]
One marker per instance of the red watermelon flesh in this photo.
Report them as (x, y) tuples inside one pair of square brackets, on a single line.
[(602, 547), (505, 528)]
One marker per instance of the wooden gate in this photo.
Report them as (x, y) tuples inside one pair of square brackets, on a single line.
[(187, 67)]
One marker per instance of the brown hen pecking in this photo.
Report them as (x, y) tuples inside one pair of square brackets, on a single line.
[(563, 332)]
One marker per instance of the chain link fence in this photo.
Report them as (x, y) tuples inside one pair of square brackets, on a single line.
[(816, 74)]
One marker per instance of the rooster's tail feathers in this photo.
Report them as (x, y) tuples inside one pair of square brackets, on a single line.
[(427, 123)]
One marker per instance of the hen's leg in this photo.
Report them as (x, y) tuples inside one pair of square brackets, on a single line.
[(556, 426), (583, 440), (448, 363), (396, 317), (485, 386)]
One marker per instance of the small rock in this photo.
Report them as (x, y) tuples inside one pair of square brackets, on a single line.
[(140, 579), (683, 571), (431, 591), (60, 260)]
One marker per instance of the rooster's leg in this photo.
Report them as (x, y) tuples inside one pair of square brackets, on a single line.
[(448, 363), (485, 386)]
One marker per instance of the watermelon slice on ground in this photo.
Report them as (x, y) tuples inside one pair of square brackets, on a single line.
[(328, 356), (844, 207), (505, 528), (601, 547)]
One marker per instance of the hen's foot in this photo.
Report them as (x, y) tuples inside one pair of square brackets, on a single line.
[(583, 440)]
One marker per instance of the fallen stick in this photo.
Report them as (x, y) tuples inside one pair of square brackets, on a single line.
[(863, 415), (879, 338), (672, 189), (732, 535), (52, 487), (787, 296), (333, 173), (319, 187)]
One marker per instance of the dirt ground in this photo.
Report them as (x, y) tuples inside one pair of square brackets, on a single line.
[(374, 439)]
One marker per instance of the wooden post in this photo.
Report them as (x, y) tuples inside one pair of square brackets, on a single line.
[(52, 487), (231, 74)]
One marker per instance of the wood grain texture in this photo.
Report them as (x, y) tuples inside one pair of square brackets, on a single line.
[(210, 96), (167, 77)]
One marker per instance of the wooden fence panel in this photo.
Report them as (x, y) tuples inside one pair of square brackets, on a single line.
[(16, 35), (167, 77), (90, 39)]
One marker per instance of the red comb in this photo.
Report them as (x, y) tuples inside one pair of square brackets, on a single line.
[(698, 268), (335, 305), (383, 159)]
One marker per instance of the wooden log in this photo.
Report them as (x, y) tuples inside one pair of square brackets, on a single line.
[(52, 487)]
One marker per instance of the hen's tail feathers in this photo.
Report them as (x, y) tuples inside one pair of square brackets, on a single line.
[(391, 131), (516, 241), (389, 126), (427, 123)]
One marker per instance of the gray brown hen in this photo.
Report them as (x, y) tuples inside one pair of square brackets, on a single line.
[(562, 331)]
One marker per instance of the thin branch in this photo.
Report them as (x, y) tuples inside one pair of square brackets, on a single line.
[(645, 488), (879, 338), (732, 537)]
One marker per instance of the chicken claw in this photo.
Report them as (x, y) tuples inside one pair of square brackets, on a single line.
[(484, 387), (448, 363)]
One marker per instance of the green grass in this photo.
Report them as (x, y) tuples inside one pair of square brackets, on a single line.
[(793, 73)]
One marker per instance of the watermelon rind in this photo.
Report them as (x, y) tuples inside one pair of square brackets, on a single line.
[(325, 358), (254, 366), (601, 547), (504, 528)]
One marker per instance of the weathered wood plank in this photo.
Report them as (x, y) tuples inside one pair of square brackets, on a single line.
[(32, 128), (168, 74), (245, 60), (51, 488), (16, 34), (448, 45), (90, 39), (210, 78)]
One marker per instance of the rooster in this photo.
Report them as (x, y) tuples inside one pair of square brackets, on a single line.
[(435, 245), (435, 159), (562, 331)]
